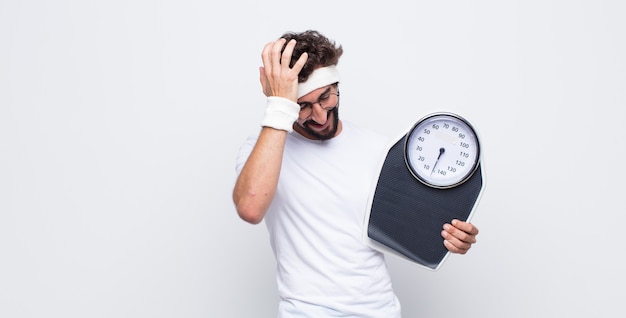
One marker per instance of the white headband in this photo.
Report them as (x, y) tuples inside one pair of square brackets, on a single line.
[(319, 78)]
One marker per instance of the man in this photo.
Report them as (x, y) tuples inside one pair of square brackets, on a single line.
[(303, 175)]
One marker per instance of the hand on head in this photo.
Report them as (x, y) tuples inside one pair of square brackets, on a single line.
[(276, 76)]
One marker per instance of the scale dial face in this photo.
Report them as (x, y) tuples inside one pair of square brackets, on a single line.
[(442, 150)]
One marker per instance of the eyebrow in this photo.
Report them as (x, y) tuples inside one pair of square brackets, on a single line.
[(323, 93)]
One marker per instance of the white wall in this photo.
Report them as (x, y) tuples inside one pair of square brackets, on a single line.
[(120, 122)]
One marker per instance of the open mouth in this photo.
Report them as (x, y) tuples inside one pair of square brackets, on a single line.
[(316, 126)]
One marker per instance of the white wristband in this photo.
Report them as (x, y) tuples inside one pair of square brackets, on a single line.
[(280, 113)]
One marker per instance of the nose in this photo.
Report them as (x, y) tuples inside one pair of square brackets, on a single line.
[(318, 113)]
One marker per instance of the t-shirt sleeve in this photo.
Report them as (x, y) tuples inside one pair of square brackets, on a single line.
[(244, 153)]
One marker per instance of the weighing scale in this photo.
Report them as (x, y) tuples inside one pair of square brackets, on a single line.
[(431, 175)]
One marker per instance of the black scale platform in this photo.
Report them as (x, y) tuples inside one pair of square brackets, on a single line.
[(407, 216)]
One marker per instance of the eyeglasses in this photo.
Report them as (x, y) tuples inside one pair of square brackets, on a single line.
[(327, 101)]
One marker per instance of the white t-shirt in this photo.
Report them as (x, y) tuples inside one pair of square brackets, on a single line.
[(315, 223)]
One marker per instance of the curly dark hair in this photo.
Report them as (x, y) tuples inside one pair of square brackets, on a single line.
[(321, 50)]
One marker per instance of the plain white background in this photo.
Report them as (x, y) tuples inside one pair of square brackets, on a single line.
[(120, 122)]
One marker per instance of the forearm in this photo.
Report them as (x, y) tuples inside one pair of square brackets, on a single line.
[(256, 184)]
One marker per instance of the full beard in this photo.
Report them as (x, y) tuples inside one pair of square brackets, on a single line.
[(326, 134)]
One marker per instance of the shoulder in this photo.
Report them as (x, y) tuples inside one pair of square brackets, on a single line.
[(244, 151)]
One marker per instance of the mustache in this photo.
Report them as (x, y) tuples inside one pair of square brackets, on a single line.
[(312, 121)]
